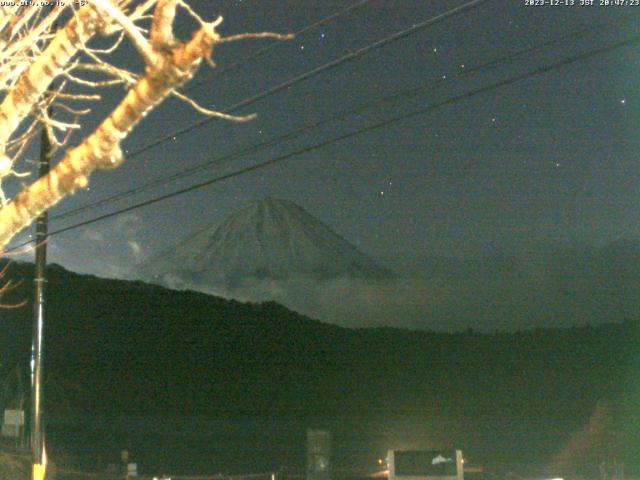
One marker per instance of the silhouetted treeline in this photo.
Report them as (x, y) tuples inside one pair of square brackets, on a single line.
[(117, 347)]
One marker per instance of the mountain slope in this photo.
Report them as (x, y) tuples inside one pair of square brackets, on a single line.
[(117, 347), (266, 240)]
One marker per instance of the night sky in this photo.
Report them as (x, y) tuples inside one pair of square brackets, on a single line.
[(536, 170)]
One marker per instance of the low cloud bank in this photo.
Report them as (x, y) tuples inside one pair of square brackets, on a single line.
[(485, 301), (530, 288)]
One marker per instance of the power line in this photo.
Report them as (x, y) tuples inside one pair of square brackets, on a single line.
[(316, 71), (375, 126), (256, 54), (430, 85), (272, 46)]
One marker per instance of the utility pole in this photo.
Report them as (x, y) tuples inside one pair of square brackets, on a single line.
[(38, 461), (40, 280)]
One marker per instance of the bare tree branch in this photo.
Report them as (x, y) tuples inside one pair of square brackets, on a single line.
[(101, 150), (212, 113), (168, 63), (36, 80)]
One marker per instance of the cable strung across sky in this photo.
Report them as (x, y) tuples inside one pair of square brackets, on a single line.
[(262, 51), (318, 70), (428, 86), (263, 165)]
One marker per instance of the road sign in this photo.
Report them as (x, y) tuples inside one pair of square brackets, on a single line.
[(318, 455), (14, 417), (10, 430)]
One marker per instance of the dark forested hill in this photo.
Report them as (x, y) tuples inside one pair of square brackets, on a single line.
[(117, 347)]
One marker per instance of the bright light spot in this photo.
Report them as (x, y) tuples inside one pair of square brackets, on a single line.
[(440, 459), (381, 193), (5, 165), (379, 461), (135, 247), (623, 101), (435, 50), (301, 47)]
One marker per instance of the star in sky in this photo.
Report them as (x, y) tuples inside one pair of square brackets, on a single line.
[(531, 113)]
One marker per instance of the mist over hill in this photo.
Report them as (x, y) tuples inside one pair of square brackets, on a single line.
[(273, 250), (118, 348)]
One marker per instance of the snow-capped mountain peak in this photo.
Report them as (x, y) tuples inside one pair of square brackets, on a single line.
[(269, 239)]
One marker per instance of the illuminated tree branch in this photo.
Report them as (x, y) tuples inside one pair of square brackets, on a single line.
[(168, 65)]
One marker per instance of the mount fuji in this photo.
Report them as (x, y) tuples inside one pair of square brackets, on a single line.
[(266, 240)]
